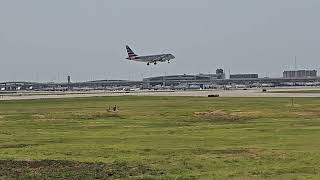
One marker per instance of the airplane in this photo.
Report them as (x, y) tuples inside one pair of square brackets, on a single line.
[(148, 59)]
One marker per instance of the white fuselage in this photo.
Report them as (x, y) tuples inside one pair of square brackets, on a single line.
[(153, 58)]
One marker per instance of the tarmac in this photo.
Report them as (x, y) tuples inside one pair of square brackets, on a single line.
[(196, 93)]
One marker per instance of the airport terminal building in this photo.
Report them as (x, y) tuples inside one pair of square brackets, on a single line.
[(173, 80), (183, 81), (243, 76), (300, 74)]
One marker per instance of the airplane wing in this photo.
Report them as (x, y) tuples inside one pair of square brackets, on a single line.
[(159, 58)]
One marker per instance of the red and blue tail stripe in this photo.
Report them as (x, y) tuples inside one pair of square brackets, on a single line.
[(131, 54)]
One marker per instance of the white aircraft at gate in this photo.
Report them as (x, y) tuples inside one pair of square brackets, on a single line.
[(149, 59)]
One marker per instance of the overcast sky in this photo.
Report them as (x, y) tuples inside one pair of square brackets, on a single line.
[(46, 40)]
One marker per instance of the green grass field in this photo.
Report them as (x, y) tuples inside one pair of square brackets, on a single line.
[(160, 138)]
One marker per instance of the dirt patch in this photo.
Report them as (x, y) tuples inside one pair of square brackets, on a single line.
[(247, 152), (44, 117), (307, 114), (76, 116), (222, 116), (97, 126), (248, 114), (52, 169), (38, 116), (134, 126), (219, 151), (9, 146), (96, 115)]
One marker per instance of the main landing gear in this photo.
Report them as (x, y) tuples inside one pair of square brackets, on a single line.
[(168, 61), (155, 63)]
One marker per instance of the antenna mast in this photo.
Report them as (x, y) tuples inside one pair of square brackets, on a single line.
[(295, 63)]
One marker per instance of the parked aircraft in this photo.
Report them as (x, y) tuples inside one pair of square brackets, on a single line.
[(149, 59)]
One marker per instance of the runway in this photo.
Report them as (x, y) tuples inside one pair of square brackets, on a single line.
[(197, 93)]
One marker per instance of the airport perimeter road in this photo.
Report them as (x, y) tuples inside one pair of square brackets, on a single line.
[(221, 93)]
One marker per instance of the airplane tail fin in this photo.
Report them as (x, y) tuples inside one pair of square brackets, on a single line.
[(131, 54)]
